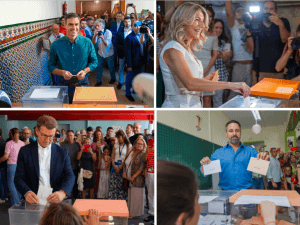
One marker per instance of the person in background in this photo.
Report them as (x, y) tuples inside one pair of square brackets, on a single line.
[(274, 173), (87, 160), (82, 27), (88, 30), (99, 128), (73, 70), (147, 134), (12, 149), (131, 15), (105, 162), (223, 56), (102, 40), (73, 149), (55, 33), (3, 169), (297, 155), (109, 133), (120, 45), (26, 136), (293, 164), (89, 133), (137, 127), (62, 28), (63, 135), (134, 167), (129, 131)]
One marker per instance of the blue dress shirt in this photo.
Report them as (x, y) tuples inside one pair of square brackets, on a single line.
[(72, 57), (234, 175), (88, 32)]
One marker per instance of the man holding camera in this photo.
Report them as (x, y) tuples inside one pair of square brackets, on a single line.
[(243, 46), (273, 34), (133, 56), (102, 40), (72, 57)]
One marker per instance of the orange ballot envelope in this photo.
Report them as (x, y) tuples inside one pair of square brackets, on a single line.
[(95, 95), (275, 88), (105, 207)]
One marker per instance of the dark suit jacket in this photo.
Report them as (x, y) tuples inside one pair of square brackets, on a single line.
[(120, 43), (114, 30), (28, 172), (133, 52)]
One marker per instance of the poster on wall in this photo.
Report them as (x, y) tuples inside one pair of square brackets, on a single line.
[(290, 140)]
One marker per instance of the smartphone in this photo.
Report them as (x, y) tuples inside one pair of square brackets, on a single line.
[(86, 147), (145, 11), (130, 4), (150, 143)]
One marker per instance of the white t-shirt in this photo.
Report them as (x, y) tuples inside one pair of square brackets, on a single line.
[(105, 51), (120, 152), (240, 50)]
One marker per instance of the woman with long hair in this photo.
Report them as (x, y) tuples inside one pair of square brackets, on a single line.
[(134, 168), (222, 57), (120, 150), (182, 72)]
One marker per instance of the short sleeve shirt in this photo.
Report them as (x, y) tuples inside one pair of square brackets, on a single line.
[(13, 148)]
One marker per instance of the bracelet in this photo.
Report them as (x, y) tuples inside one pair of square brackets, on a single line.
[(271, 222)]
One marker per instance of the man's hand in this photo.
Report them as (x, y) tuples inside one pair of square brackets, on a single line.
[(67, 75), (31, 197), (57, 196), (94, 217), (275, 19), (81, 75), (129, 69), (205, 161), (274, 185), (263, 156)]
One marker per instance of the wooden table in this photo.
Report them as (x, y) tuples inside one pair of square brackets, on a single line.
[(19, 105)]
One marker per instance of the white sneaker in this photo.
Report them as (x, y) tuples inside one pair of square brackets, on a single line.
[(2, 201)]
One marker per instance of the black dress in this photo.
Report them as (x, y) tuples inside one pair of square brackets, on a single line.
[(87, 163)]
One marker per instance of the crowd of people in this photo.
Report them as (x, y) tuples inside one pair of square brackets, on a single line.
[(120, 39), (191, 34), (117, 165)]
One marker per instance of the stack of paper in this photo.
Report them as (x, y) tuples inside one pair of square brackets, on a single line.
[(253, 199)]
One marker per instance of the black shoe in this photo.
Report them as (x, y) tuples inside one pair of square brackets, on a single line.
[(112, 81), (149, 219), (119, 86), (133, 92), (98, 84), (130, 98)]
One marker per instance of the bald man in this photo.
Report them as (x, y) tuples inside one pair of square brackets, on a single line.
[(137, 127), (27, 136), (55, 33)]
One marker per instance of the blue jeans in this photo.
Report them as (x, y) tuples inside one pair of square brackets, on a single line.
[(121, 70), (15, 196), (129, 78), (258, 183), (3, 184), (111, 67)]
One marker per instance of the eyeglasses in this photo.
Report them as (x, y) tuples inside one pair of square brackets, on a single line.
[(139, 144), (44, 136)]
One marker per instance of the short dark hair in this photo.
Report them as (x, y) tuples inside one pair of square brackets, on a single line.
[(89, 129), (287, 165), (232, 121), (130, 125), (297, 151), (70, 131), (273, 2), (98, 127), (272, 149), (127, 18), (109, 128), (175, 181), (83, 20), (120, 12), (89, 19), (48, 121), (63, 17), (14, 130), (238, 6), (72, 15)]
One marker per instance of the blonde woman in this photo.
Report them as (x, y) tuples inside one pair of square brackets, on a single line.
[(182, 72), (134, 167)]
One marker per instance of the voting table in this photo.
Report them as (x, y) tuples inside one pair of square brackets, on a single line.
[(269, 93)]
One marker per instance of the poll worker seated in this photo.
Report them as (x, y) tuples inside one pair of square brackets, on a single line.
[(55, 33), (177, 197), (234, 159), (72, 57), (44, 164)]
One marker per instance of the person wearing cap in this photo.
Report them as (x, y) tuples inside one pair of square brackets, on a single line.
[(234, 159), (4, 100)]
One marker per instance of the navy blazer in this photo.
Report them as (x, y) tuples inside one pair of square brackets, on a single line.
[(114, 30), (133, 52), (120, 43), (28, 172)]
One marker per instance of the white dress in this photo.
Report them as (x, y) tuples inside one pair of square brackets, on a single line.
[(177, 95), (104, 180)]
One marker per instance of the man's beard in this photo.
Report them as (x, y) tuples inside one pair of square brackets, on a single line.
[(234, 141)]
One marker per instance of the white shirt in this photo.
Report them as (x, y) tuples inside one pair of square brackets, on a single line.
[(122, 150), (53, 37), (104, 51), (44, 164), (127, 32)]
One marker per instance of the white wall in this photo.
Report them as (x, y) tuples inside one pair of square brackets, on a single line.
[(140, 5), (21, 11)]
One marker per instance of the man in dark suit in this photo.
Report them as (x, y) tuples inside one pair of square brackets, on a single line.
[(115, 27), (133, 56), (120, 45), (44, 164)]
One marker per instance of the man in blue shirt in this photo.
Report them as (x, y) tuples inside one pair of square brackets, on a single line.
[(234, 159), (88, 30), (72, 57), (274, 173)]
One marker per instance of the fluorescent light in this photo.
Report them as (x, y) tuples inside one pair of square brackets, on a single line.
[(254, 9), (96, 1), (256, 115)]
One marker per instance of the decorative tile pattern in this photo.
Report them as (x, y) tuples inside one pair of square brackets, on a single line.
[(22, 62)]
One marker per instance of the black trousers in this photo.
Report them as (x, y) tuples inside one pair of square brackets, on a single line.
[(75, 187)]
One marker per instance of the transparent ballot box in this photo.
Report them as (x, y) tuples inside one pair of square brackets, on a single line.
[(46, 97), (112, 212), (248, 213), (215, 207), (255, 102)]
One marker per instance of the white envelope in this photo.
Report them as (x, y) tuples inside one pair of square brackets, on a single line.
[(43, 194), (258, 166), (212, 167)]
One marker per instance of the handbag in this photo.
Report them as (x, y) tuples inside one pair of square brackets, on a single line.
[(87, 174)]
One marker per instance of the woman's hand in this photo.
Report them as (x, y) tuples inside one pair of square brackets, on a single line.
[(90, 150), (94, 217), (268, 211), (241, 88), (132, 179), (81, 147)]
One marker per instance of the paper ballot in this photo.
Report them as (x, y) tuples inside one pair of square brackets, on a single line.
[(45, 93), (212, 167), (258, 166), (205, 199), (253, 199), (247, 102), (284, 90), (43, 194)]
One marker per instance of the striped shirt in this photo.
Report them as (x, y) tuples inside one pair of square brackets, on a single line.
[(150, 162)]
